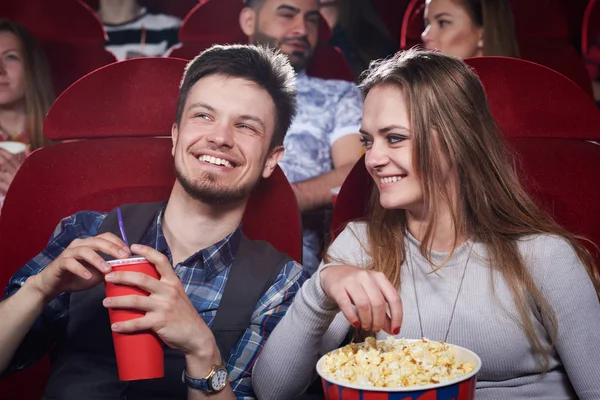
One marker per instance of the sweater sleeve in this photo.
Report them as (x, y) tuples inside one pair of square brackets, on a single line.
[(311, 327), (569, 289)]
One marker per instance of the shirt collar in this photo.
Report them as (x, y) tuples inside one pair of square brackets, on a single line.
[(214, 258)]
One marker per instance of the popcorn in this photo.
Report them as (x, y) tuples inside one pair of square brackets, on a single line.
[(395, 363)]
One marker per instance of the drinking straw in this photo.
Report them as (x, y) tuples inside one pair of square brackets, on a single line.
[(121, 227)]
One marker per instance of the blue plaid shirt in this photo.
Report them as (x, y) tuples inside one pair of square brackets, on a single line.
[(203, 276)]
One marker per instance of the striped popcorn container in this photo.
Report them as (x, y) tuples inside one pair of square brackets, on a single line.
[(458, 389)]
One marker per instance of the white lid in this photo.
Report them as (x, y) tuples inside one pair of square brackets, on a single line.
[(126, 261), (13, 147)]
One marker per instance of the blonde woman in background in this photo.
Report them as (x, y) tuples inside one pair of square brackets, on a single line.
[(25, 95), (452, 244), (470, 28)]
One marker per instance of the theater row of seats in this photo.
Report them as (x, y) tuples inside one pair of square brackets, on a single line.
[(73, 36)]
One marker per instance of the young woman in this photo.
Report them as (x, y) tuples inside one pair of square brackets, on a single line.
[(25, 95), (452, 245), (470, 28)]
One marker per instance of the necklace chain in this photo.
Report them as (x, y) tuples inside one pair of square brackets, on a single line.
[(412, 268)]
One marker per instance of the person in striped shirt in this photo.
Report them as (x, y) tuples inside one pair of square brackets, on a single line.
[(133, 31)]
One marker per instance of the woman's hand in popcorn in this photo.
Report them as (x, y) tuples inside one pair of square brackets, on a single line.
[(362, 296)]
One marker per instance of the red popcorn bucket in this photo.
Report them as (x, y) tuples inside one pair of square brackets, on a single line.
[(462, 388)]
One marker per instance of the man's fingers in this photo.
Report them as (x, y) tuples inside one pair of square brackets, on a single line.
[(101, 244), (135, 279), (160, 261), (133, 302), (76, 268), (111, 237), (8, 161)]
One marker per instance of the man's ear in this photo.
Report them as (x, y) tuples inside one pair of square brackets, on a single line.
[(272, 160), (248, 21), (174, 136)]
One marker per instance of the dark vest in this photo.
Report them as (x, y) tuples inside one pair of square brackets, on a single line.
[(83, 364)]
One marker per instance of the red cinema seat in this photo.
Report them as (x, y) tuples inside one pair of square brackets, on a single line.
[(529, 99), (209, 23), (543, 35), (590, 39), (412, 25), (328, 62), (70, 33), (120, 160), (391, 12)]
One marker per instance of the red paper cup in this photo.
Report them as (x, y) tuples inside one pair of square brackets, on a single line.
[(334, 194), (139, 355), (18, 149)]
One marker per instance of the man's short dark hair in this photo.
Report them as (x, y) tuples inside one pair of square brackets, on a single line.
[(266, 67), (254, 4)]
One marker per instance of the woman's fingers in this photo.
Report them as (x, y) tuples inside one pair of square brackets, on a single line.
[(394, 304), (376, 301)]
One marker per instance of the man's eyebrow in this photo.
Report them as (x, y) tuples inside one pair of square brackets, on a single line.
[(201, 105), (286, 7)]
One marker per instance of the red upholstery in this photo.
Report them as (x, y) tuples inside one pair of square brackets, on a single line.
[(573, 11), (69, 32), (353, 198), (391, 12), (136, 97), (590, 38), (528, 99), (543, 36), (412, 24), (99, 174), (572, 194), (212, 22)]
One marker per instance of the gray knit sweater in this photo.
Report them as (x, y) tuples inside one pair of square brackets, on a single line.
[(483, 322)]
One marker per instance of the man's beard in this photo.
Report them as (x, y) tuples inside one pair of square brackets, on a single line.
[(298, 59), (208, 191)]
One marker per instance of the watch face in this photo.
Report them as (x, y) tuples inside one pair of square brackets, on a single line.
[(219, 379)]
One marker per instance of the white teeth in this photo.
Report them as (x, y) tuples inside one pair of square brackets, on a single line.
[(215, 161), (391, 179)]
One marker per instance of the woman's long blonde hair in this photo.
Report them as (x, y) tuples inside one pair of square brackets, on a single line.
[(39, 93), (443, 95)]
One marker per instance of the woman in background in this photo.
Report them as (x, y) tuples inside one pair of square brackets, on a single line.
[(470, 28), (358, 31), (25, 95)]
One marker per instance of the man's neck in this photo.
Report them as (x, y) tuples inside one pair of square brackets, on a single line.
[(190, 226), (12, 119), (115, 12)]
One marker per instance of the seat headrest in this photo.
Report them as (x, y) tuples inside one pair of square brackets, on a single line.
[(218, 20), (66, 21), (136, 97), (531, 100)]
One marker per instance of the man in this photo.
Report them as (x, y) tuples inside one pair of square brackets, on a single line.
[(134, 32), (235, 106), (322, 144)]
